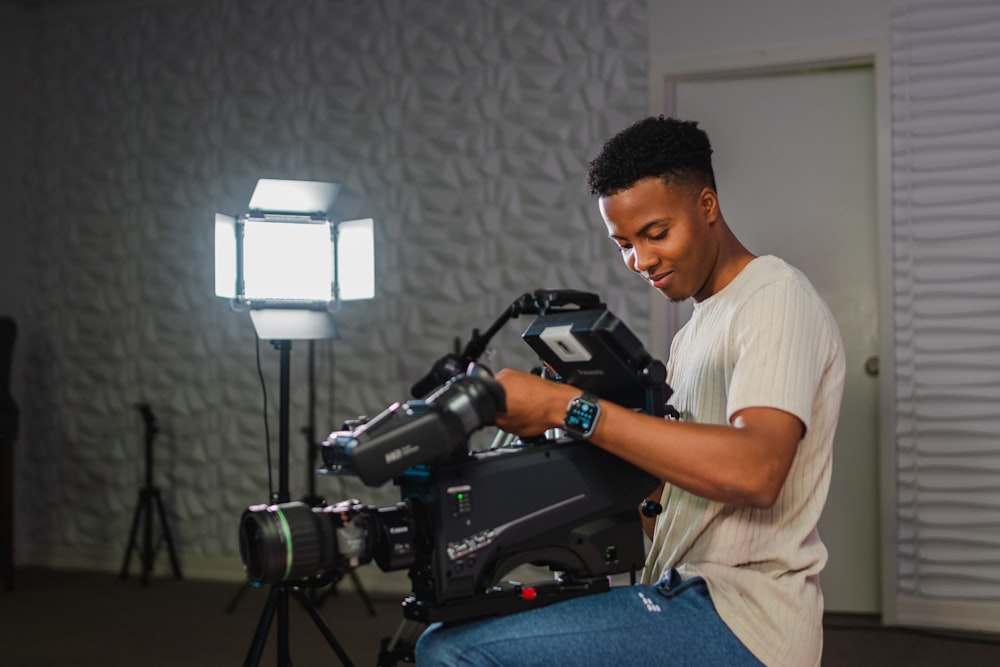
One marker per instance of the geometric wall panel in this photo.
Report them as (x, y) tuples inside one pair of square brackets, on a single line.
[(463, 128)]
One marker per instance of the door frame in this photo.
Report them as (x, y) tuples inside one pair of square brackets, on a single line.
[(664, 75)]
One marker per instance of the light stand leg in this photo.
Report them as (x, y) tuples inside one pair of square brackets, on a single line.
[(235, 601), (361, 591), (332, 590), (284, 652), (325, 631), (263, 627)]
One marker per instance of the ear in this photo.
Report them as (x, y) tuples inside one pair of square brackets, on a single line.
[(708, 200)]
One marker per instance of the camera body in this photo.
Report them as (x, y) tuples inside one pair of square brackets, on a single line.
[(564, 504), (466, 519)]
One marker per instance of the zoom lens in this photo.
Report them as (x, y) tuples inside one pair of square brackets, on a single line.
[(286, 542)]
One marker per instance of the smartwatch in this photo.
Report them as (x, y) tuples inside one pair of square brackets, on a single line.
[(581, 416)]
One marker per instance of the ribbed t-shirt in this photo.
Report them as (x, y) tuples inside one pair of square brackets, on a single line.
[(766, 339)]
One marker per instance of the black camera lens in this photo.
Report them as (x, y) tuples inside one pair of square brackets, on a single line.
[(286, 542)]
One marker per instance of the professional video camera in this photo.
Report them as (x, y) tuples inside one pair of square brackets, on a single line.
[(467, 518)]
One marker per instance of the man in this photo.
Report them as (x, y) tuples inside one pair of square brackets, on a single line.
[(733, 574)]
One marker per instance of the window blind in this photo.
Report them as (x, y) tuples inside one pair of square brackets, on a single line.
[(946, 238)]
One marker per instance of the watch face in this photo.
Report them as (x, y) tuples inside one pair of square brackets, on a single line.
[(581, 417)]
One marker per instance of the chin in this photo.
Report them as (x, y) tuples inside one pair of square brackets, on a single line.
[(673, 298)]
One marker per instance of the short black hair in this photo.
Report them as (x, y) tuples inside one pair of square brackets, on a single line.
[(678, 151)]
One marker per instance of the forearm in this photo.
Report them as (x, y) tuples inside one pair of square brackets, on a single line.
[(735, 464), (744, 463)]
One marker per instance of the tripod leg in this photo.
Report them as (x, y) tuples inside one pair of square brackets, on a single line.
[(166, 535), (147, 535), (236, 598), (131, 537), (284, 652), (263, 627), (319, 599), (401, 645), (325, 631), (361, 591)]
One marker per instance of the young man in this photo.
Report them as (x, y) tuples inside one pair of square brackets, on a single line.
[(733, 574)]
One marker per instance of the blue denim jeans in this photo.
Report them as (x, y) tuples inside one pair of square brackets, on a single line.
[(670, 623)]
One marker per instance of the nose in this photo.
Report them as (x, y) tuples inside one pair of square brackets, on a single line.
[(642, 258)]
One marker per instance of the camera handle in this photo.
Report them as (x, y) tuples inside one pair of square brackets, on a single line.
[(539, 302)]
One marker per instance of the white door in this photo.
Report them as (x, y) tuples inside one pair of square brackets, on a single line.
[(795, 165)]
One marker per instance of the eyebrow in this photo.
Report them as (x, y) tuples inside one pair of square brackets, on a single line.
[(644, 229)]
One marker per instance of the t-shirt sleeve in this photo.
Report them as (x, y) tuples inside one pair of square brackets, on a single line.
[(783, 342)]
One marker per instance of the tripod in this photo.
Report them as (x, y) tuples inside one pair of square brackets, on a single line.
[(277, 599), (149, 496)]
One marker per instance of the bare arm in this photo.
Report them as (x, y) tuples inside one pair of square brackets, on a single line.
[(744, 463)]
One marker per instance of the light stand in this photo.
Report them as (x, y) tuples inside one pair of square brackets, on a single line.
[(290, 266), (309, 431), (277, 599)]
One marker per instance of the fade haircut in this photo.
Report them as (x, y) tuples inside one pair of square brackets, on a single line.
[(676, 151)]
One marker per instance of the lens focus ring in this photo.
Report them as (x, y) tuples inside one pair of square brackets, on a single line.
[(285, 542), (310, 534)]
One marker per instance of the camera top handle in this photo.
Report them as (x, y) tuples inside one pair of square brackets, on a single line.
[(539, 302)]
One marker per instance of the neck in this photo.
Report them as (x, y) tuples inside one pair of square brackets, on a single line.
[(733, 258)]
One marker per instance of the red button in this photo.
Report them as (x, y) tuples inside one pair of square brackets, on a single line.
[(528, 593)]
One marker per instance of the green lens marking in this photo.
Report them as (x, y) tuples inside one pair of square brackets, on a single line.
[(288, 543)]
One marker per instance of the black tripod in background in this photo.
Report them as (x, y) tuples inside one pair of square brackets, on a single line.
[(149, 496)]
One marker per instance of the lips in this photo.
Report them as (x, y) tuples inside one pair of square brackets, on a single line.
[(660, 280)]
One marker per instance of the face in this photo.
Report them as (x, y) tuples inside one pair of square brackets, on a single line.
[(667, 234)]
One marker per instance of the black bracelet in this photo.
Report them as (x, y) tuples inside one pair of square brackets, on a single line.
[(650, 508)]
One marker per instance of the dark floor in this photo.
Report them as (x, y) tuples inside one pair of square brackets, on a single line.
[(61, 618), (861, 640)]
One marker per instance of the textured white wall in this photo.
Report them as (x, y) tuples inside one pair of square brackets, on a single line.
[(463, 128), (13, 117)]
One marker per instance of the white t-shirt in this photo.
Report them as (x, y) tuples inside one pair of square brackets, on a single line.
[(765, 340)]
